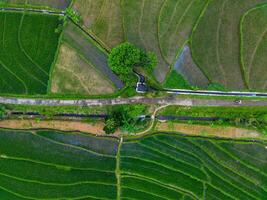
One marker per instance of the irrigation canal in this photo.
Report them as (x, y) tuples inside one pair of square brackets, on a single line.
[(103, 116)]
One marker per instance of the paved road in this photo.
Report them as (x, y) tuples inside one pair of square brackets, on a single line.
[(134, 100), (216, 93)]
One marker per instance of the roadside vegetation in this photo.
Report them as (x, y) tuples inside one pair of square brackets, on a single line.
[(73, 15), (127, 118), (247, 117)]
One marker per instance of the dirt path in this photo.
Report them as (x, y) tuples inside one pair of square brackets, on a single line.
[(92, 128), (207, 130), (153, 118)]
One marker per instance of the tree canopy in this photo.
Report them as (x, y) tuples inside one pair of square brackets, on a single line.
[(124, 57), (125, 117)]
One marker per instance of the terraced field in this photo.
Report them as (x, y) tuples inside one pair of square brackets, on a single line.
[(116, 21), (253, 47), (28, 43), (216, 41), (55, 165), (177, 167), (210, 28), (141, 29), (176, 20), (52, 165)]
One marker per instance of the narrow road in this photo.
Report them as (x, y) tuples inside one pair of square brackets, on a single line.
[(216, 93), (181, 101)]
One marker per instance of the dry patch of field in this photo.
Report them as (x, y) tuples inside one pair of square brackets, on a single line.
[(92, 128), (206, 130), (74, 75)]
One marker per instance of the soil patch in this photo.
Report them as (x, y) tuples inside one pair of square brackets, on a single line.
[(92, 128), (205, 130), (73, 75)]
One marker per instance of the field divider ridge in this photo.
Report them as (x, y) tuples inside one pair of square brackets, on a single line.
[(72, 146), (220, 176), (169, 186)]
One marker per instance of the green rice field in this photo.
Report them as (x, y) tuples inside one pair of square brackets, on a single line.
[(28, 43), (46, 164), (253, 47), (53, 165), (216, 42)]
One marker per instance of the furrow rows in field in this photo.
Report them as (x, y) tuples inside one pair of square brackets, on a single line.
[(237, 181), (161, 166), (253, 32), (175, 28), (56, 165), (55, 141), (171, 152), (24, 72), (238, 160), (144, 185), (57, 171), (257, 160), (54, 153), (144, 178)]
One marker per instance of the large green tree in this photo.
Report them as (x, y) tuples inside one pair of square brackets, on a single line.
[(124, 57), (125, 117)]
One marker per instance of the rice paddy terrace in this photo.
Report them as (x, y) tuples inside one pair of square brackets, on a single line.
[(28, 46), (201, 41), (46, 164), (222, 49)]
